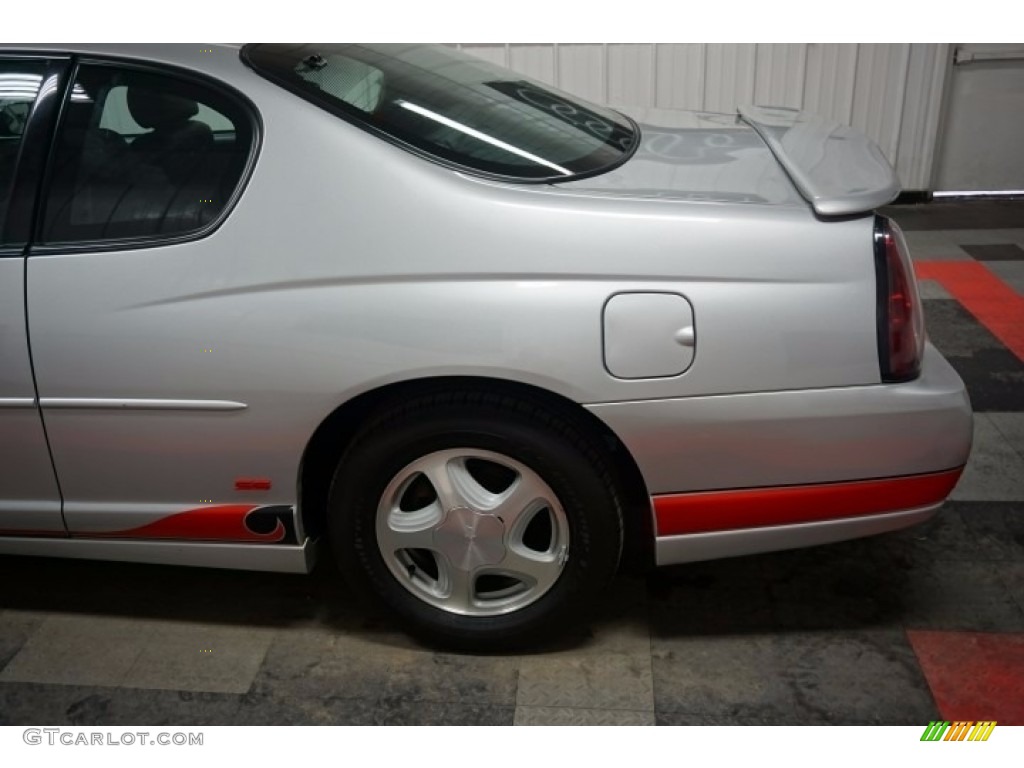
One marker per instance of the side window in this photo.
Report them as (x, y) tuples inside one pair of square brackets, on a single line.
[(143, 155), (19, 86)]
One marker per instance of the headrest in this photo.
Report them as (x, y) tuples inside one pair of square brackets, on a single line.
[(153, 109)]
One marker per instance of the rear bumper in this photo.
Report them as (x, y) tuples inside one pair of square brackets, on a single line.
[(670, 550), (721, 470)]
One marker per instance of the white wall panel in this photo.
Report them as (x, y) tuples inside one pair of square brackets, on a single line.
[(728, 76), (828, 80), (892, 92), (879, 86), (536, 61), (679, 72), (582, 69), (922, 110), (631, 74), (779, 75)]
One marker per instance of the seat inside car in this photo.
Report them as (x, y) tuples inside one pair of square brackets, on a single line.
[(139, 158), (176, 143)]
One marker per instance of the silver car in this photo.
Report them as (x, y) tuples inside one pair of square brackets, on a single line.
[(487, 340)]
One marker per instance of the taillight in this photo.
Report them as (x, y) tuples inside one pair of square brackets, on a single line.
[(900, 318)]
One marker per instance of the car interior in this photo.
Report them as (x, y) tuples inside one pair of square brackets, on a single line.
[(143, 155)]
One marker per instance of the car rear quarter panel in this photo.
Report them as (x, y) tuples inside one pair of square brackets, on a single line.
[(349, 264)]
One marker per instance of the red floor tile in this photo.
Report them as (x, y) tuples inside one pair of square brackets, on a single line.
[(973, 675), (984, 295)]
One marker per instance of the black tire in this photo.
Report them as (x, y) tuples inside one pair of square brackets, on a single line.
[(552, 446)]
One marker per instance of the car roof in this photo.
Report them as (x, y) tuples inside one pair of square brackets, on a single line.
[(217, 59)]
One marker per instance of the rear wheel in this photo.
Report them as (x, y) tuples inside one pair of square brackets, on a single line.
[(482, 520)]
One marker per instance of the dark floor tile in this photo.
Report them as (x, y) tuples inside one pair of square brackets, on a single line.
[(969, 214), (262, 709), (40, 703), (619, 681), (786, 678), (555, 716), (868, 677), (845, 586), (15, 628), (727, 675), (1000, 252), (944, 537), (993, 374), (132, 706), (401, 711), (955, 331), (1011, 427), (997, 528), (619, 624), (995, 469), (743, 717), (164, 592), (719, 597), (314, 664), (452, 678), (965, 596), (372, 665), (993, 377), (256, 709), (1012, 576)]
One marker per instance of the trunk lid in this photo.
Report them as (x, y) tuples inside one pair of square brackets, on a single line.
[(764, 156)]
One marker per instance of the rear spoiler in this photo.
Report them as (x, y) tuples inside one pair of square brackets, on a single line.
[(837, 169)]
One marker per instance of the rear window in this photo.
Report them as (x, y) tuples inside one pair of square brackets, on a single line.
[(453, 107)]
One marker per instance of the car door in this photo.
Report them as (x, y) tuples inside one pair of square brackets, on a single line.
[(29, 495), (147, 427)]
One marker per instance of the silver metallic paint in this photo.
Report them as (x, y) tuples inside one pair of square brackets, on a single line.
[(379, 267), (787, 438), (29, 497), (837, 169), (648, 335), (696, 157)]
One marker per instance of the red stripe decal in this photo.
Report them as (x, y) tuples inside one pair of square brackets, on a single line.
[(996, 305), (217, 522), (705, 511)]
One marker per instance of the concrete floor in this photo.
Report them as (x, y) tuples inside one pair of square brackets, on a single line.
[(899, 629)]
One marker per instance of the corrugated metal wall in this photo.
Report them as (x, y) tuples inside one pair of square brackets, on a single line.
[(892, 92)]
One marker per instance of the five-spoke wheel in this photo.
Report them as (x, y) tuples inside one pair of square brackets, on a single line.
[(472, 532), (483, 521)]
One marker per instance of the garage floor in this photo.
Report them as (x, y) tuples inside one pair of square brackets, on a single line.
[(900, 629)]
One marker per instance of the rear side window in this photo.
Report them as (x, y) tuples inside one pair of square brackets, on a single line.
[(144, 155), (453, 107), (19, 85)]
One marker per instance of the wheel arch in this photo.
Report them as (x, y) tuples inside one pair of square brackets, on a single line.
[(332, 437)]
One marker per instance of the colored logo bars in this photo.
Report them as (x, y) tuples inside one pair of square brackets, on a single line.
[(966, 730)]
